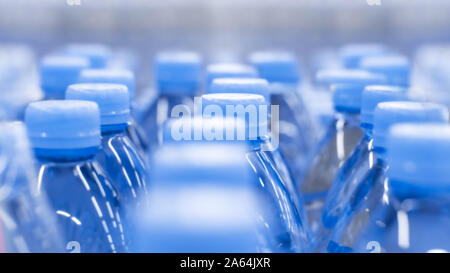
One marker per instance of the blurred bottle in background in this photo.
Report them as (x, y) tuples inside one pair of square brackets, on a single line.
[(373, 190), (97, 54), (27, 224), (65, 136), (342, 136), (178, 76), (228, 70), (202, 199), (19, 83), (59, 71), (297, 130)]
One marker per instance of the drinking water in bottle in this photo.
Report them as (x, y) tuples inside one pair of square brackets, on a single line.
[(342, 136), (26, 222), (371, 189), (118, 156), (125, 77), (354, 170), (413, 215), (59, 71), (297, 130), (65, 136)]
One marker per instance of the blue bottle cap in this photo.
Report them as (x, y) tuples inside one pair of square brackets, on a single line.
[(347, 86), (114, 76), (97, 54), (229, 70), (112, 99), (251, 107), (59, 71), (374, 94), (389, 113), (63, 124), (178, 72), (419, 161), (276, 66), (240, 85), (352, 54), (395, 68)]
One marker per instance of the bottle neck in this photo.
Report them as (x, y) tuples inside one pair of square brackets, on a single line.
[(65, 155), (113, 129), (352, 119)]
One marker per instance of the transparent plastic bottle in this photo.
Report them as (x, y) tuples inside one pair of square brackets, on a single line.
[(65, 136), (413, 213), (372, 188), (26, 222), (297, 130), (120, 76), (178, 76), (59, 71), (118, 156), (342, 136), (266, 162), (359, 163)]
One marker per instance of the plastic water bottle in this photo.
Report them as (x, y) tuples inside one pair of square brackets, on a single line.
[(266, 162), (352, 54), (342, 136), (59, 71), (415, 216), (395, 68), (360, 162), (118, 156), (178, 76), (98, 54), (202, 199), (120, 76), (26, 222), (65, 136), (255, 86), (372, 191), (228, 70), (297, 130)]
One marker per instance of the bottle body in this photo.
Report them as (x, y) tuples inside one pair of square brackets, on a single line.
[(342, 135), (369, 194), (285, 213), (88, 217), (296, 129)]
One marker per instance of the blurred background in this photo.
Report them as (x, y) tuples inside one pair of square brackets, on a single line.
[(224, 29)]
